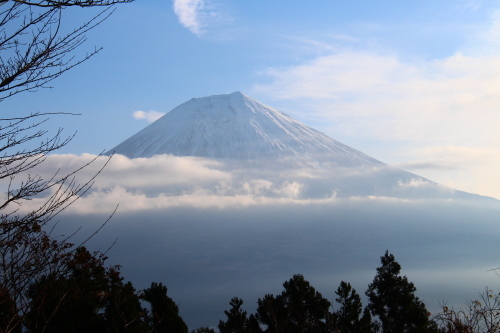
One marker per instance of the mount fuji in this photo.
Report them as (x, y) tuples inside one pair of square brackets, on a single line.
[(237, 127), (260, 142)]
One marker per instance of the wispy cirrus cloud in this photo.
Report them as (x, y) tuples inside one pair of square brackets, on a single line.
[(205, 18), (471, 168), (149, 116), (198, 15), (433, 100), (189, 13), (423, 165), (487, 41)]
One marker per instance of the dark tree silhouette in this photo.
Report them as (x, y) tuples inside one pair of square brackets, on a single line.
[(203, 329), (88, 296), (164, 316), (85, 296), (348, 318), (299, 308), (237, 320), (392, 300)]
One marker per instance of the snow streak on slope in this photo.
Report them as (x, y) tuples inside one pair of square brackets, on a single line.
[(237, 127)]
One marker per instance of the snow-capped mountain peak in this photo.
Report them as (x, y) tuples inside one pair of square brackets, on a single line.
[(235, 126)]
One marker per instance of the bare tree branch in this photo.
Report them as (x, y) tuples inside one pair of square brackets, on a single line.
[(34, 50), (68, 3)]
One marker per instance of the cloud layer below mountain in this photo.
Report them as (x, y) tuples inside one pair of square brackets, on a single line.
[(166, 181)]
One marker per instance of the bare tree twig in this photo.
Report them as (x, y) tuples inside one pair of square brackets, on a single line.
[(34, 50)]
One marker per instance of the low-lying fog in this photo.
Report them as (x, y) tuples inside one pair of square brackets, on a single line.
[(208, 255)]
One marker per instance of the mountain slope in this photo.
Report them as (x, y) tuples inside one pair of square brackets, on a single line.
[(235, 126)]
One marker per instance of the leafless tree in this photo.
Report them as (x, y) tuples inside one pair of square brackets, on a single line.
[(68, 3), (34, 50), (481, 315)]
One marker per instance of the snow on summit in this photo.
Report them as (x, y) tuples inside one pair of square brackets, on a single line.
[(235, 126)]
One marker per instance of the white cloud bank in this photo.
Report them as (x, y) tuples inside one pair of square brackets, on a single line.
[(160, 171), (165, 181)]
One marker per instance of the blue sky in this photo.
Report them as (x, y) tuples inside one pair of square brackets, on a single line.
[(414, 84)]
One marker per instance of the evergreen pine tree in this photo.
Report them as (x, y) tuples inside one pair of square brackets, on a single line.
[(299, 308), (203, 329), (237, 321), (164, 315), (272, 312), (348, 318), (85, 297), (392, 299)]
